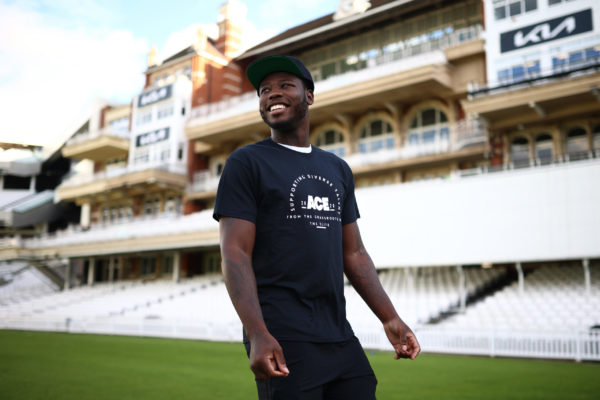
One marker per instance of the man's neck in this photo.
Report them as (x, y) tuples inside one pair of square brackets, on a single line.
[(298, 137)]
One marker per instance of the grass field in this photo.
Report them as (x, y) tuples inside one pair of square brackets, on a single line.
[(36, 365)]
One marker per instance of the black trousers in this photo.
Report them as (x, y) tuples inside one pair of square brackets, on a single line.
[(321, 371)]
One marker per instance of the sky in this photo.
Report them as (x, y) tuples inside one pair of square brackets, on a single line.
[(57, 56)]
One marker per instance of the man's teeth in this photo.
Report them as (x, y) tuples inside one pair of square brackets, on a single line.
[(277, 107)]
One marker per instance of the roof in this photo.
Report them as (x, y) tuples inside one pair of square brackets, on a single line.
[(325, 28)]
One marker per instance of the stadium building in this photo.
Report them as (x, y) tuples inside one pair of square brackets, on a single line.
[(473, 131)]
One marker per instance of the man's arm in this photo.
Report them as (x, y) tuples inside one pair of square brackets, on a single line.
[(237, 241), (361, 272)]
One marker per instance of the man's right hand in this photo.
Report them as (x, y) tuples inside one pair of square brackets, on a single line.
[(266, 357)]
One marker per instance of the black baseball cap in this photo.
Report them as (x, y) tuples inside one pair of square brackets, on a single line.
[(259, 69)]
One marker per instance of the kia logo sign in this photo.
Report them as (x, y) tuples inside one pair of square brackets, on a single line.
[(149, 138), (154, 96), (546, 31)]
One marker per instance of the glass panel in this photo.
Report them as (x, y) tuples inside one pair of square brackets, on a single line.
[(530, 5), (429, 136), (518, 72), (413, 138), (444, 133), (500, 12), (362, 147), (515, 8), (443, 117), (428, 117), (389, 142), (376, 128), (377, 145), (575, 57), (415, 122)]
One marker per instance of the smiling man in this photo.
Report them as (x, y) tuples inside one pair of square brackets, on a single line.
[(287, 217)]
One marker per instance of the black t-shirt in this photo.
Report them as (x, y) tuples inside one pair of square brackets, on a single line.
[(298, 203)]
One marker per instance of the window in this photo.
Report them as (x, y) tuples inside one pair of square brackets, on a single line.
[(544, 149), (564, 62), (519, 150), (331, 140), (519, 72), (148, 266), (188, 72), (165, 110), (577, 143), (376, 135), (429, 126), (596, 139), (156, 209), (144, 117), (512, 8), (142, 155), (180, 151), (148, 207)]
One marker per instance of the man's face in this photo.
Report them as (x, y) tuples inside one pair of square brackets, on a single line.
[(283, 101)]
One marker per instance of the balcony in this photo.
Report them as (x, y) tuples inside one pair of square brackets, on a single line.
[(411, 73), (138, 177), (204, 186), (98, 145), (562, 91), (144, 233), (466, 138)]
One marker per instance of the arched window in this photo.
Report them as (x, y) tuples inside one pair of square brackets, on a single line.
[(519, 150), (429, 126), (376, 135), (544, 149), (596, 139), (577, 144), (331, 140)]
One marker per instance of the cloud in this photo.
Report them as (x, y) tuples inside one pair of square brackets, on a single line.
[(51, 70)]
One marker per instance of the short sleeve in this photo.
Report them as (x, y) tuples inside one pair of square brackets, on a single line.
[(236, 195), (350, 211)]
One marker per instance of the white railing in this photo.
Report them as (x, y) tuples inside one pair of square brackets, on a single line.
[(578, 346), (462, 134), (107, 131), (126, 228), (590, 157), (539, 77), (80, 179), (408, 56), (204, 181)]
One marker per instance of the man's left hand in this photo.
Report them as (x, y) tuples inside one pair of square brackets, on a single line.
[(402, 338)]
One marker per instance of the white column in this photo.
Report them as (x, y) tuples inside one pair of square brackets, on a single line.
[(521, 278), (111, 268), (588, 279), (176, 266), (68, 273), (91, 271), (462, 288), (85, 215)]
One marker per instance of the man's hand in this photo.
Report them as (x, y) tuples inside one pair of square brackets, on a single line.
[(266, 357), (402, 338)]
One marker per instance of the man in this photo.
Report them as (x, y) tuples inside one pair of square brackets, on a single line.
[(287, 217)]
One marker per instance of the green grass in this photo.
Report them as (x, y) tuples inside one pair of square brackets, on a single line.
[(39, 365)]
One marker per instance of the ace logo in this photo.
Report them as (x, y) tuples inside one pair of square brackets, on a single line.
[(318, 203)]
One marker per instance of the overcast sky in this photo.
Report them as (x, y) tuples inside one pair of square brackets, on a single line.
[(56, 56)]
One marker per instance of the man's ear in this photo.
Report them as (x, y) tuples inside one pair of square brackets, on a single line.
[(310, 97)]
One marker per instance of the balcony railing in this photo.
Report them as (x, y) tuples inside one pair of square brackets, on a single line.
[(592, 157), (80, 179), (462, 134), (406, 57), (138, 227), (108, 131), (539, 77), (204, 181)]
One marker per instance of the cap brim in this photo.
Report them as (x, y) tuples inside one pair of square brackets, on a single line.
[(259, 69)]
